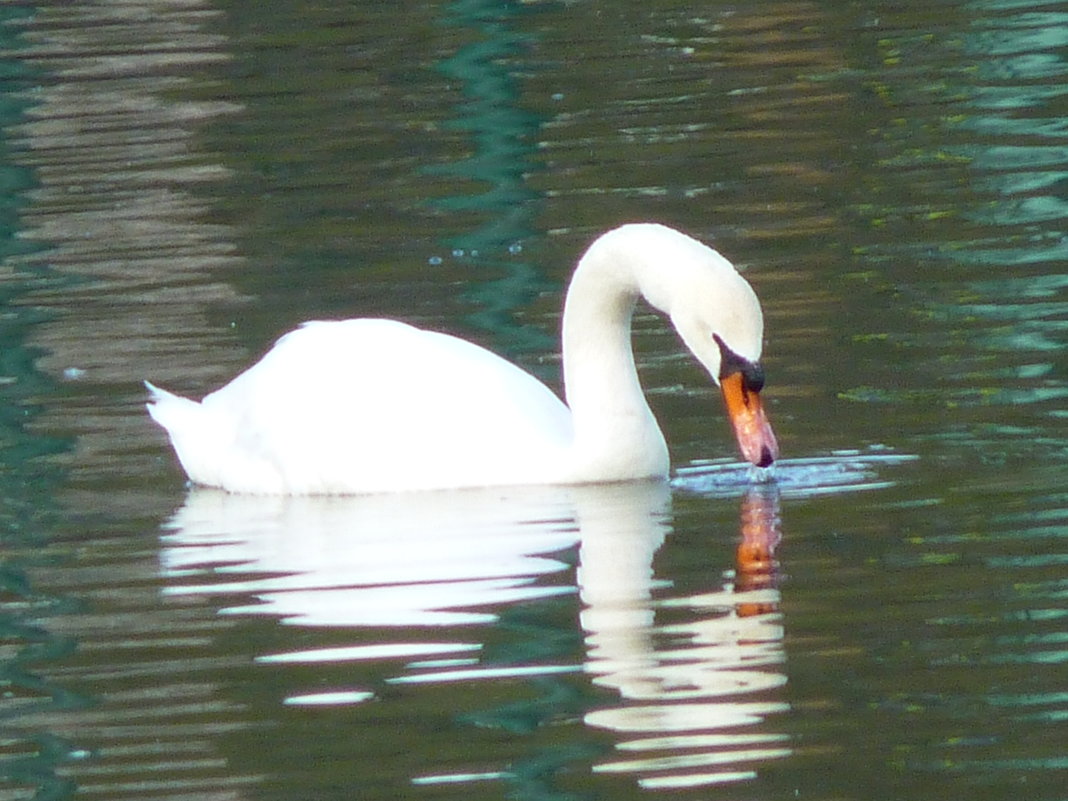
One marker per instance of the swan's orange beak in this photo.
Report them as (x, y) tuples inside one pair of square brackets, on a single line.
[(755, 437)]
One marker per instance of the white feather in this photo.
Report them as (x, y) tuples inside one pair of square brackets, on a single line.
[(372, 405)]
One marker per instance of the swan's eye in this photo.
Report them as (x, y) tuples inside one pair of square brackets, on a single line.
[(754, 377), (731, 363)]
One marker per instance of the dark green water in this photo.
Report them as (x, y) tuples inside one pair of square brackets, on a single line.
[(182, 182)]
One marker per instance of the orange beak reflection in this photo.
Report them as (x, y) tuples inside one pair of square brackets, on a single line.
[(755, 437)]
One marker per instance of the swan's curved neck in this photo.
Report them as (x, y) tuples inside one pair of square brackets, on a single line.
[(616, 434)]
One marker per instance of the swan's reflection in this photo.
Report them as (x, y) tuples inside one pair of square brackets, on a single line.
[(694, 692), (426, 559)]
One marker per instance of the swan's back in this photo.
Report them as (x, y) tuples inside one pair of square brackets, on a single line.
[(369, 406)]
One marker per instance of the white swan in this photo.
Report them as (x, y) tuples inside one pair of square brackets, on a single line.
[(361, 406)]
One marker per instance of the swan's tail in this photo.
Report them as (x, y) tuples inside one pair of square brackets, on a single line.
[(171, 411), (192, 430)]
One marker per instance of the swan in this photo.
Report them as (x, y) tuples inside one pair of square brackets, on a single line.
[(374, 405)]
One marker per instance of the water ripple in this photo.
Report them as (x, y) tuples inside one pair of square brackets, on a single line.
[(841, 472)]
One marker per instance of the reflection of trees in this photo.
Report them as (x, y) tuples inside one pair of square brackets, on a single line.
[(124, 240), (503, 136), (966, 214)]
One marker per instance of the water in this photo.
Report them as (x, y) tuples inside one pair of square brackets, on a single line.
[(881, 617)]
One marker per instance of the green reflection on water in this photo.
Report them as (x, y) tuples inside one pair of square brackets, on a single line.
[(967, 222), (27, 511), (503, 136)]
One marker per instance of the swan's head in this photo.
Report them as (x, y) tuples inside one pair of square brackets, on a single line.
[(741, 380), (713, 308), (718, 316)]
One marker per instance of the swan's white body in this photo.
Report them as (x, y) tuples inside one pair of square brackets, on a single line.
[(361, 406)]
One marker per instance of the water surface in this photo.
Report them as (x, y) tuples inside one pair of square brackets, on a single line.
[(882, 617)]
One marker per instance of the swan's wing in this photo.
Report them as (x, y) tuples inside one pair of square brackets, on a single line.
[(367, 405)]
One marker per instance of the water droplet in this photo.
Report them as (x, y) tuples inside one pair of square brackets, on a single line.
[(515, 248)]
